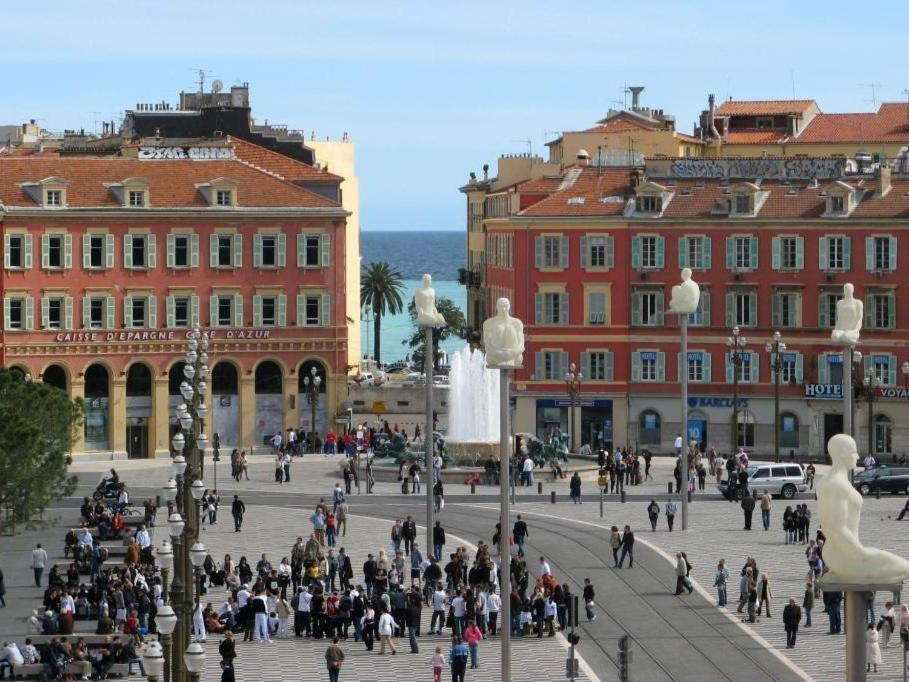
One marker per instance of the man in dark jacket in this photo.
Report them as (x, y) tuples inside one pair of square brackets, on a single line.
[(409, 533), (520, 533), (369, 574), (237, 509), (345, 570), (413, 613), (792, 616), (627, 547), (748, 508), (438, 540)]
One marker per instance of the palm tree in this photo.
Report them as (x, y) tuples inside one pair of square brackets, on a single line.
[(380, 289)]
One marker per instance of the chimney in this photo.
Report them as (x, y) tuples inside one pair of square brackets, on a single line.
[(882, 176), (636, 91), (711, 117), (583, 158), (485, 171)]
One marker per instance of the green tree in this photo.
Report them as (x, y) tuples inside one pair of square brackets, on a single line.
[(455, 326), (37, 426), (380, 290)]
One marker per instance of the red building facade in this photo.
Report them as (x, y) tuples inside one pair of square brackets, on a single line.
[(589, 268), (108, 261)]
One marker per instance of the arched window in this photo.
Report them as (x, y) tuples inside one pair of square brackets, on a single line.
[(97, 382), (224, 380), (650, 428), (745, 429), (55, 376), (789, 431), (268, 378), (175, 378), (138, 380), (883, 435)]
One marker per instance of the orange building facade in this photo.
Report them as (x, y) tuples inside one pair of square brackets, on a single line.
[(109, 261)]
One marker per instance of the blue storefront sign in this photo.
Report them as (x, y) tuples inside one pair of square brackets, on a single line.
[(582, 402), (697, 430), (707, 401), (824, 391)]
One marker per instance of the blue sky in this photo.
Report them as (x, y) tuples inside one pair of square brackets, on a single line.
[(431, 91)]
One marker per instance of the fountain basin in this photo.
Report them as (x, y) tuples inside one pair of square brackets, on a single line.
[(471, 454)]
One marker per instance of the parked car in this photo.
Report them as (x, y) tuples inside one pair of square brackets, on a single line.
[(886, 479), (784, 480)]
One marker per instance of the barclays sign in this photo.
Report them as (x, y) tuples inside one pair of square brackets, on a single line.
[(824, 391), (702, 401)]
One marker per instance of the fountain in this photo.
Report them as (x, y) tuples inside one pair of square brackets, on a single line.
[(473, 409)]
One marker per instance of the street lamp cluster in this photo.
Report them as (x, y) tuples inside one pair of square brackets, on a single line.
[(312, 384), (573, 380), (736, 344), (776, 348), (180, 561)]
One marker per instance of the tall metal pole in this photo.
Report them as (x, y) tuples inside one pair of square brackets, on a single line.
[(683, 370), (872, 382), (776, 404), (429, 440), (504, 523), (848, 360)]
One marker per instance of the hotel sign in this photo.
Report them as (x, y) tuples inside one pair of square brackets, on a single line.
[(192, 153), (824, 391), (144, 335)]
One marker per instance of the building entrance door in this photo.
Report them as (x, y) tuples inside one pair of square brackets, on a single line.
[(833, 424), (137, 437)]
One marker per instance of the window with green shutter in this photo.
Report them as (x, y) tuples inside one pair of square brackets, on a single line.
[(597, 252), (551, 251)]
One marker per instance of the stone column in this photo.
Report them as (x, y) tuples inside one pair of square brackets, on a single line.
[(290, 406), (247, 412), (117, 407), (159, 426), (77, 390)]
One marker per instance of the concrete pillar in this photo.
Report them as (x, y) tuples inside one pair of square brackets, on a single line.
[(77, 390), (117, 407), (289, 401), (159, 426), (247, 413)]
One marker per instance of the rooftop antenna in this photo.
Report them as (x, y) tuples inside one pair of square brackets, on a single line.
[(874, 87), (95, 114), (728, 82), (625, 93), (792, 80), (529, 144), (201, 73)]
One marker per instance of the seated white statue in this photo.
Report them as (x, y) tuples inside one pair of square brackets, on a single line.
[(840, 509), (425, 302), (850, 312), (685, 296), (503, 338)]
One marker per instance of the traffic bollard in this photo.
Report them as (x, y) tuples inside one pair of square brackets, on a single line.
[(539, 487), (601, 503), (669, 487), (552, 496), (689, 496), (623, 495), (473, 488)]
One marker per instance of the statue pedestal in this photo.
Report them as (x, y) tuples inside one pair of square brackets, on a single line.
[(856, 621)]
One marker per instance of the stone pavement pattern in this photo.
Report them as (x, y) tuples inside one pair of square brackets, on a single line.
[(716, 532), (273, 530)]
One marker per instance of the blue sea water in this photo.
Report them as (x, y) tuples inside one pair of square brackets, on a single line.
[(412, 254)]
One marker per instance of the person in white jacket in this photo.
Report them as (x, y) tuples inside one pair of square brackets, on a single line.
[(386, 630), (872, 647), (198, 622)]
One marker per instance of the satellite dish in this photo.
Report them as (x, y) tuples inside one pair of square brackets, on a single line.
[(216, 86)]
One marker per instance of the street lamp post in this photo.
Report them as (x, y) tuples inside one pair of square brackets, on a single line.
[(776, 347), (166, 621), (573, 380), (312, 384), (905, 369), (871, 382), (736, 344)]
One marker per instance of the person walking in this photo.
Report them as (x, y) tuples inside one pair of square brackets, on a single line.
[(520, 534), (334, 657), (438, 662), (720, 580), (748, 509), (589, 600), (237, 510), (792, 616), (765, 594), (386, 630), (615, 542), (39, 561), (872, 647), (765, 510), (2, 591), (574, 486), (438, 540), (744, 584), (653, 513), (808, 603), (457, 659), (473, 635), (670, 514), (627, 547), (681, 573)]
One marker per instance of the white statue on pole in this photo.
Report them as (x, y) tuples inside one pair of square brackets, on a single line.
[(685, 296), (503, 338), (425, 302), (850, 312), (840, 509)]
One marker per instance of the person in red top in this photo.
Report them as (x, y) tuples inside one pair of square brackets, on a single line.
[(330, 529), (331, 441), (332, 614), (131, 624), (473, 635)]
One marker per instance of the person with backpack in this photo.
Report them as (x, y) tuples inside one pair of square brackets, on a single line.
[(653, 513), (345, 607)]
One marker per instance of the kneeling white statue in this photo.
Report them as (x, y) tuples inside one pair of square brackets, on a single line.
[(503, 338), (840, 509), (850, 312), (425, 303), (685, 296)]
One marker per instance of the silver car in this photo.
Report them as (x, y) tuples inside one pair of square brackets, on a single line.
[(784, 480)]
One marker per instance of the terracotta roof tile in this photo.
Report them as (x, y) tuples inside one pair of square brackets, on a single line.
[(889, 124), (586, 195), (288, 168), (622, 125), (763, 107), (753, 137), (172, 183)]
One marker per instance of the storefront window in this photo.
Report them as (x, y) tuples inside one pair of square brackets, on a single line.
[(550, 418), (789, 431), (650, 428), (745, 429), (97, 386), (883, 435)]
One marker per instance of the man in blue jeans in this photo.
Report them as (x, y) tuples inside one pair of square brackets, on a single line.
[(627, 547), (765, 509)]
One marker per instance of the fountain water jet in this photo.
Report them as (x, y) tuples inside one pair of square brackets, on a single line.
[(473, 409)]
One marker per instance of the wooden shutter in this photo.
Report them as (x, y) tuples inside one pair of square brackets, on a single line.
[(86, 312), (585, 251), (538, 367), (151, 251), (706, 363), (776, 253), (127, 250), (151, 312), (893, 254), (109, 251), (110, 305), (661, 366), (891, 365), (257, 311), (301, 250), (213, 249), (753, 309), (891, 311), (171, 249), (67, 251), (538, 308), (730, 253), (237, 310), (799, 368), (610, 251), (325, 249), (823, 258), (660, 251), (325, 310), (636, 253), (29, 305), (67, 312), (635, 366), (775, 306), (301, 310), (86, 251), (730, 368), (585, 365), (704, 302), (869, 253), (823, 369), (683, 252), (45, 250), (282, 310), (636, 312), (706, 242), (213, 310), (237, 244), (6, 240), (127, 311), (193, 250), (169, 312), (193, 310), (800, 253), (608, 366), (6, 307), (45, 312), (753, 254), (257, 250), (27, 243), (869, 311), (563, 252), (823, 311), (755, 368), (282, 250), (563, 309), (660, 307), (847, 253), (730, 309)]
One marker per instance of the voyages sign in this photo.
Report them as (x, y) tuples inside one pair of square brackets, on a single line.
[(894, 392)]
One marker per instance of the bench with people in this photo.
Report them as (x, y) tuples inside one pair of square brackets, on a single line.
[(82, 656)]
